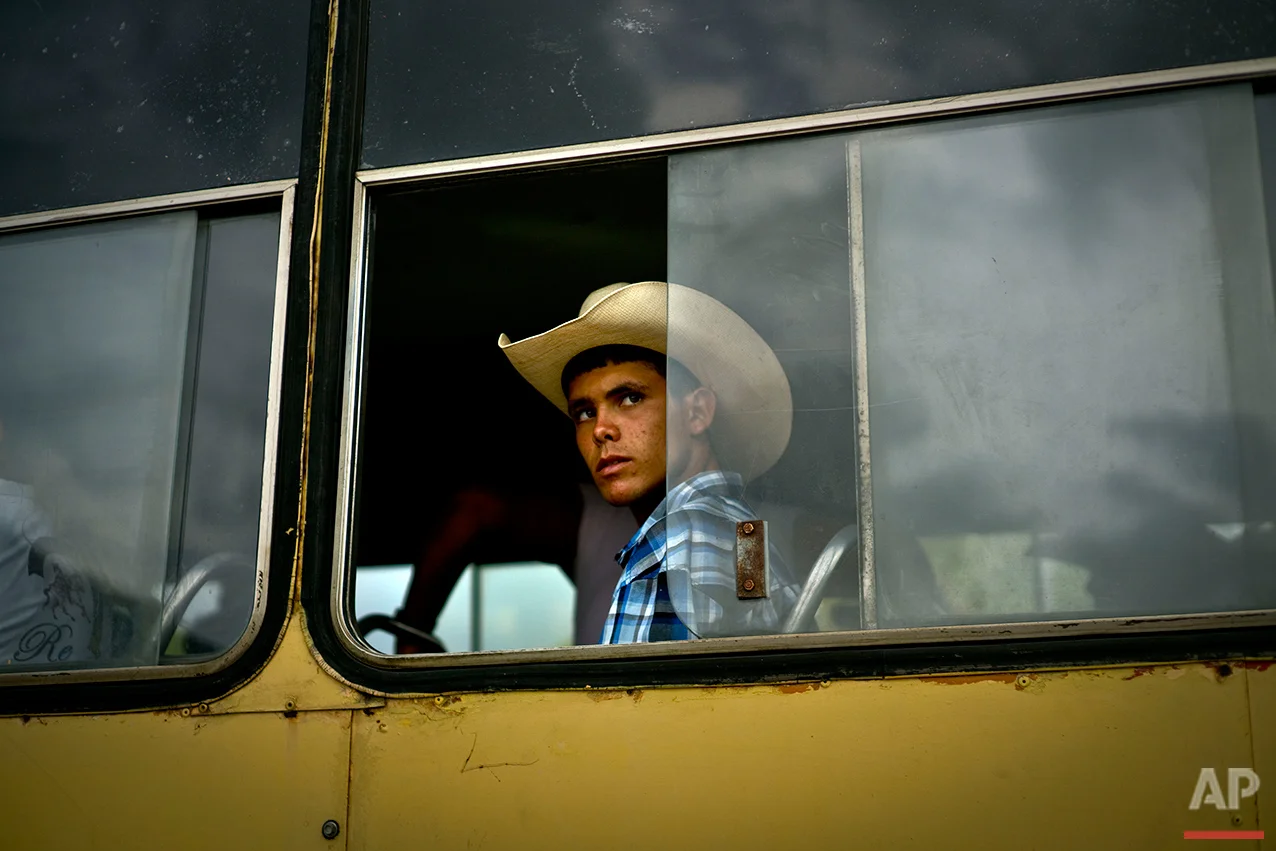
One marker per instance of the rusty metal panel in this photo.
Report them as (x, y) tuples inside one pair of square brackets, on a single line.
[(752, 564), (1063, 760), (172, 780)]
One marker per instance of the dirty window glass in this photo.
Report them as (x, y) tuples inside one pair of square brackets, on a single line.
[(132, 427), (1059, 324), (760, 312)]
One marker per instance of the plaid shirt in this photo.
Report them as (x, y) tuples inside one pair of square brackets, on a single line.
[(678, 577)]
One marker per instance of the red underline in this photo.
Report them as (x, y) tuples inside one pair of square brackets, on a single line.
[(1222, 834)]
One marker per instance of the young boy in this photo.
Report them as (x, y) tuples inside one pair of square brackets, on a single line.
[(676, 403)]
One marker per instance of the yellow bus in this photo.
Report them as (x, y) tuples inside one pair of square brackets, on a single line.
[(291, 557)]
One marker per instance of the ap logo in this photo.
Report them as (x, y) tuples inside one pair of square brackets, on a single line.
[(1208, 790)]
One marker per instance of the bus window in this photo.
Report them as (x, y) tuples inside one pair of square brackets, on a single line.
[(1061, 329), (1004, 368), (133, 417)]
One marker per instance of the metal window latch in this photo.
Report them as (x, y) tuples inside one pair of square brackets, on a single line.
[(752, 564)]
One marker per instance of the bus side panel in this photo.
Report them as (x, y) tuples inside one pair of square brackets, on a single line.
[(1050, 760), (164, 780), (1261, 678)]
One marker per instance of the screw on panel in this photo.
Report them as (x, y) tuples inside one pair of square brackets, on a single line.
[(290, 705), (203, 707), (330, 829), (747, 528), (1024, 681), (748, 585)]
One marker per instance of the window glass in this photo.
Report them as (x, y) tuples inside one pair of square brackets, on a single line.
[(1073, 310), (108, 101), (451, 79), (213, 538), (1065, 319), (132, 409), (761, 314)]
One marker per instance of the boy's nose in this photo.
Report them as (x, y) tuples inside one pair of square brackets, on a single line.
[(604, 429)]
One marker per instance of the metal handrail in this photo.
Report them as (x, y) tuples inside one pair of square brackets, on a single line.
[(400, 630), (803, 614), (179, 599)]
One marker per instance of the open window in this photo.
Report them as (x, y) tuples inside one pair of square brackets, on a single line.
[(1028, 358), (461, 463)]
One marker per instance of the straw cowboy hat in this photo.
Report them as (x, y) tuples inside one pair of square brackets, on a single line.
[(755, 407)]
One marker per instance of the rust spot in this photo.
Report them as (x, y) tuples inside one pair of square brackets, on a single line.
[(636, 694), (1138, 672), (1223, 670), (796, 688), (439, 706), (600, 696), (26, 719), (369, 711), (1255, 666), (290, 713), (1008, 679)]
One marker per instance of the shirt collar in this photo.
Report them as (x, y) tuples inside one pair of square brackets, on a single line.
[(721, 483)]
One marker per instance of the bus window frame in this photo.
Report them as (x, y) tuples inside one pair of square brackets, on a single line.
[(708, 660), (284, 192)]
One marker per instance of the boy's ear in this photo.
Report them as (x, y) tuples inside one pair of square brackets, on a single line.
[(702, 403)]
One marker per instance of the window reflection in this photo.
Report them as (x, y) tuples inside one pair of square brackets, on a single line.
[(132, 426), (1067, 311), (1069, 344), (218, 523), (763, 229)]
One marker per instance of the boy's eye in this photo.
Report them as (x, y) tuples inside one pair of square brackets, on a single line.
[(583, 414), (631, 398)]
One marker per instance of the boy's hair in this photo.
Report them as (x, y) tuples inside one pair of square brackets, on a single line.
[(679, 378)]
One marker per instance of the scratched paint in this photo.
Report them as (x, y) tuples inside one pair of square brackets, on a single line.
[(530, 770)]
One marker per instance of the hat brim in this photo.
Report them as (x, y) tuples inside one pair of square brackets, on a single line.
[(754, 415)]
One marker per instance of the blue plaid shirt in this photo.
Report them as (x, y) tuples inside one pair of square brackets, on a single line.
[(678, 577)]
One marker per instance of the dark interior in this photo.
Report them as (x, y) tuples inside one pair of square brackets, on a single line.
[(454, 266)]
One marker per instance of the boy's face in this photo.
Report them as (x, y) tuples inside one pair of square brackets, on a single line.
[(619, 412)]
